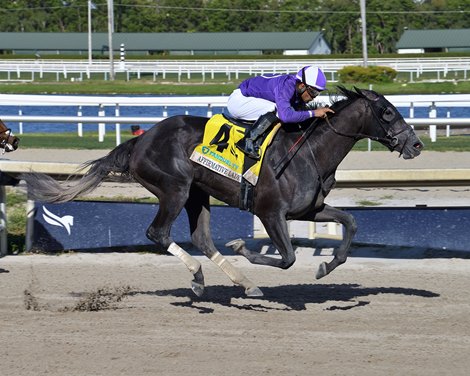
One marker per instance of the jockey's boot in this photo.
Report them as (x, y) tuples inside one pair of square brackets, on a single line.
[(249, 144)]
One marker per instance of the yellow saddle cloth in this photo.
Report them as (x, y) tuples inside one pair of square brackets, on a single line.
[(218, 152)]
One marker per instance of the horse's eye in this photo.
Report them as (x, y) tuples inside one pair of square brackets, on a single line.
[(388, 114)]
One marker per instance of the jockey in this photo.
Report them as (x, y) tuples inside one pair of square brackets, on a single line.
[(272, 98)]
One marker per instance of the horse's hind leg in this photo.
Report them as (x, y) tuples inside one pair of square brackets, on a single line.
[(159, 232), (198, 209), (276, 227)]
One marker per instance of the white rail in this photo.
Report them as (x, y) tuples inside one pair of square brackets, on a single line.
[(418, 100), (16, 69), (417, 122), (210, 102)]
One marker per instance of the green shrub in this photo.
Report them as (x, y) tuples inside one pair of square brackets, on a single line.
[(374, 74)]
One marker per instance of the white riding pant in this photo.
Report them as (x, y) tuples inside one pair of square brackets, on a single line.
[(248, 108)]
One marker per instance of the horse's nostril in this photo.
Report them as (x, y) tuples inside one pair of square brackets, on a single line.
[(418, 145)]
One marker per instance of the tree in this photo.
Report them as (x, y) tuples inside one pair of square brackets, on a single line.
[(338, 19)]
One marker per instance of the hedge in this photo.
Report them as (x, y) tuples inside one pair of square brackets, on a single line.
[(372, 74)]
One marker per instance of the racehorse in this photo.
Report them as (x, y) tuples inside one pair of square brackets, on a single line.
[(8, 141), (160, 161)]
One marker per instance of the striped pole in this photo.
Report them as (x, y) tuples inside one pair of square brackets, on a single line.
[(122, 54)]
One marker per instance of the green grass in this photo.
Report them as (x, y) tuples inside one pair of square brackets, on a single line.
[(70, 140), (101, 87), (16, 220), (221, 85)]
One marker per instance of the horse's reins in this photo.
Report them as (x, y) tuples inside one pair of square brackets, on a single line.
[(294, 148), (390, 139)]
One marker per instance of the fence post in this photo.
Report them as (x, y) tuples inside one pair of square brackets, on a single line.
[(29, 224), (101, 126), (20, 124), (80, 125), (433, 127), (448, 125), (118, 125)]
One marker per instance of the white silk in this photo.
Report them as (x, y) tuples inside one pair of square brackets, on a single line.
[(248, 108)]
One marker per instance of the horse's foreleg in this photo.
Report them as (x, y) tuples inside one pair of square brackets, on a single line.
[(198, 210), (276, 227), (331, 214)]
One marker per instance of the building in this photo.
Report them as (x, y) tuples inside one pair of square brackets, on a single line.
[(257, 43), (438, 40)]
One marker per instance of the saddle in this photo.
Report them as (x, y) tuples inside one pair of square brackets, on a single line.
[(218, 153)]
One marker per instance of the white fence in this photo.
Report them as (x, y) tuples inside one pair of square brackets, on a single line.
[(209, 102), (30, 69)]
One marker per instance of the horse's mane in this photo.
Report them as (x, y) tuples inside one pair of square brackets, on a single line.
[(344, 98), (339, 100)]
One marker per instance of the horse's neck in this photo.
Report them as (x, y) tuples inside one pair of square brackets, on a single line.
[(332, 153), (331, 148)]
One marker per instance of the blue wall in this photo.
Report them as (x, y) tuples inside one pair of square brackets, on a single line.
[(99, 225)]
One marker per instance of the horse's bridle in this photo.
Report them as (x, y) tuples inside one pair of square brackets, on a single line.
[(390, 140)]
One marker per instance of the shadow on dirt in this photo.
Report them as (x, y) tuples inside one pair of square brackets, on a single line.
[(286, 298)]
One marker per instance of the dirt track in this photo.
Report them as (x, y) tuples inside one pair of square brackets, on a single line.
[(372, 316)]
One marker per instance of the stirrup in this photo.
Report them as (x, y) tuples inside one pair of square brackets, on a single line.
[(246, 148)]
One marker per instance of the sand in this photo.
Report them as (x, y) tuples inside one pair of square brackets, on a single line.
[(135, 314)]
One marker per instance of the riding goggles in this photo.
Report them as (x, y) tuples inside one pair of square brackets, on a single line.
[(312, 91)]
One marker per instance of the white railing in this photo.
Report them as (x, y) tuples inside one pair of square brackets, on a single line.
[(410, 101), (418, 100), (65, 69)]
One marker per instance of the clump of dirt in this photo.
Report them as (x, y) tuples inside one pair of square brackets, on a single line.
[(102, 299), (30, 301)]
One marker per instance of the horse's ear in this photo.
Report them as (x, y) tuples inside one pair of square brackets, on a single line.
[(369, 94)]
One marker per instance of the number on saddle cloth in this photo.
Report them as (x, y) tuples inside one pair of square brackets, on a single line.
[(218, 152)]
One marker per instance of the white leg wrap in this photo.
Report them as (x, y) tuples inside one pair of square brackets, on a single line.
[(192, 264), (232, 272)]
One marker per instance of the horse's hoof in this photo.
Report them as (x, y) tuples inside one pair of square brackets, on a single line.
[(197, 288), (236, 244), (321, 271), (253, 292)]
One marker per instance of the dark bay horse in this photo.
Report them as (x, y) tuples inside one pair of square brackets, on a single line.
[(8, 141), (160, 161)]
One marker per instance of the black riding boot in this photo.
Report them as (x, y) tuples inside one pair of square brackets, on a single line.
[(248, 144)]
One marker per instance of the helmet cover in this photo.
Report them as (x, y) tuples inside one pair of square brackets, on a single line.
[(312, 76)]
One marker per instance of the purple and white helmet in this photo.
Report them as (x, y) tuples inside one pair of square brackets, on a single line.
[(312, 76)]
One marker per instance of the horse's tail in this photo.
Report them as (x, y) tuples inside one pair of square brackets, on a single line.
[(42, 187)]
